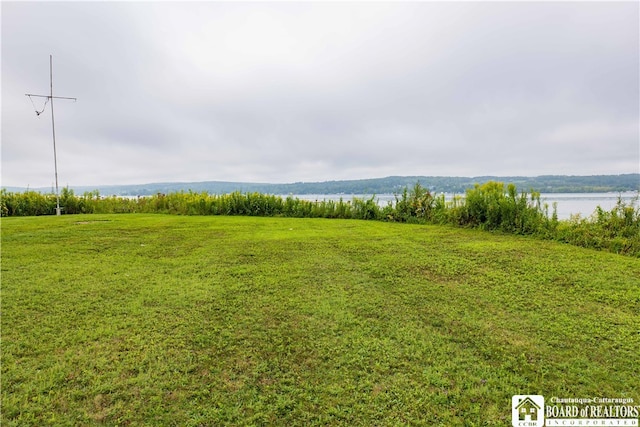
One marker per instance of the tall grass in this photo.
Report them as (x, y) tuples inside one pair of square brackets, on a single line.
[(617, 230), (490, 206)]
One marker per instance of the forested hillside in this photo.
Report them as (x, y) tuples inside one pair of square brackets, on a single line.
[(392, 184)]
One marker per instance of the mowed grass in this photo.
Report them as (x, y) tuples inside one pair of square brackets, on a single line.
[(206, 321)]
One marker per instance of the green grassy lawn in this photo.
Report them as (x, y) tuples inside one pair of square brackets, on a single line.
[(187, 321)]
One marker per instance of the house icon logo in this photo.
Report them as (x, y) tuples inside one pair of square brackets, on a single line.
[(527, 411)]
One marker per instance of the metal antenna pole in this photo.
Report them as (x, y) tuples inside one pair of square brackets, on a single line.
[(53, 126)]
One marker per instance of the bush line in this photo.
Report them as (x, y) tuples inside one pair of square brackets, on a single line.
[(490, 206)]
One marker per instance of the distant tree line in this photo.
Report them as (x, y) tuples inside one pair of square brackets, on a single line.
[(388, 185), (490, 206)]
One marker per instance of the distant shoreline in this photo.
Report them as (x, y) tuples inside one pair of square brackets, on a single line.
[(387, 185)]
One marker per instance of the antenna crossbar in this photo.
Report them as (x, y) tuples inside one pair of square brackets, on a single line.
[(49, 96)]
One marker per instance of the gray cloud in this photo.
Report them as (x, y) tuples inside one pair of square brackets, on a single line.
[(285, 92)]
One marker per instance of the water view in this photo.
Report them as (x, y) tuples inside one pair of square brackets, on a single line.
[(568, 204), (584, 204)]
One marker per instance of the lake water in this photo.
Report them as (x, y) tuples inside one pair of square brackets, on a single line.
[(583, 204)]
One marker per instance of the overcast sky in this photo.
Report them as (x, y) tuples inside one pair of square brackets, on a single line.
[(299, 91)]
